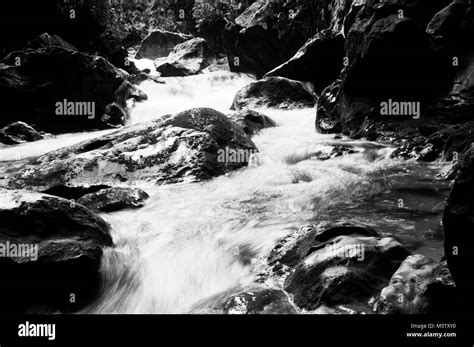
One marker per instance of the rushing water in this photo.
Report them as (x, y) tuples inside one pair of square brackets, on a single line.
[(194, 241)]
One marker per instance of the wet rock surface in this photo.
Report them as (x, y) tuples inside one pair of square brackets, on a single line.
[(346, 271), (114, 199), (187, 58), (333, 267), (188, 146), (62, 99), (393, 51), (319, 61), (269, 33), (259, 300), (275, 92), (419, 286), (19, 132), (251, 121), (52, 249), (160, 43)]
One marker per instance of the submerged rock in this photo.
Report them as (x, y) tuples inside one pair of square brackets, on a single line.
[(251, 121), (419, 286), (114, 199), (277, 92), (19, 132), (187, 58), (192, 145), (62, 246)]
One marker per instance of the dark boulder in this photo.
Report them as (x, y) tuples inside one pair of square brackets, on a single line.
[(259, 300), (452, 27), (159, 44), (19, 132), (327, 116), (118, 55), (458, 222), (275, 92), (47, 40), (419, 286), (347, 270), (107, 48), (390, 60), (294, 248), (193, 145), (114, 199), (268, 33), (391, 57), (58, 252), (251, 121), (457, 105), (187, 58), (319, 61), (253, 45), (60, 99)]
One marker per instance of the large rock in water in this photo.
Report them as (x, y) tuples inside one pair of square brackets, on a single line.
[(187, 58), (114, 199), (51, 251), (346, 270), (251, 121), (19, 132), (193, 145), (276, 92), (334, 264), (259, 300), (419, 286), (319, 61), (160, 43), (458, 222), (295, 247), (61, 99)]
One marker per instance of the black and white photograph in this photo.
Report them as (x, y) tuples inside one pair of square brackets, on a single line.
[(298, 161)]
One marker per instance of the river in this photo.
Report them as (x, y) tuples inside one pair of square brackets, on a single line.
[(192, 242)]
